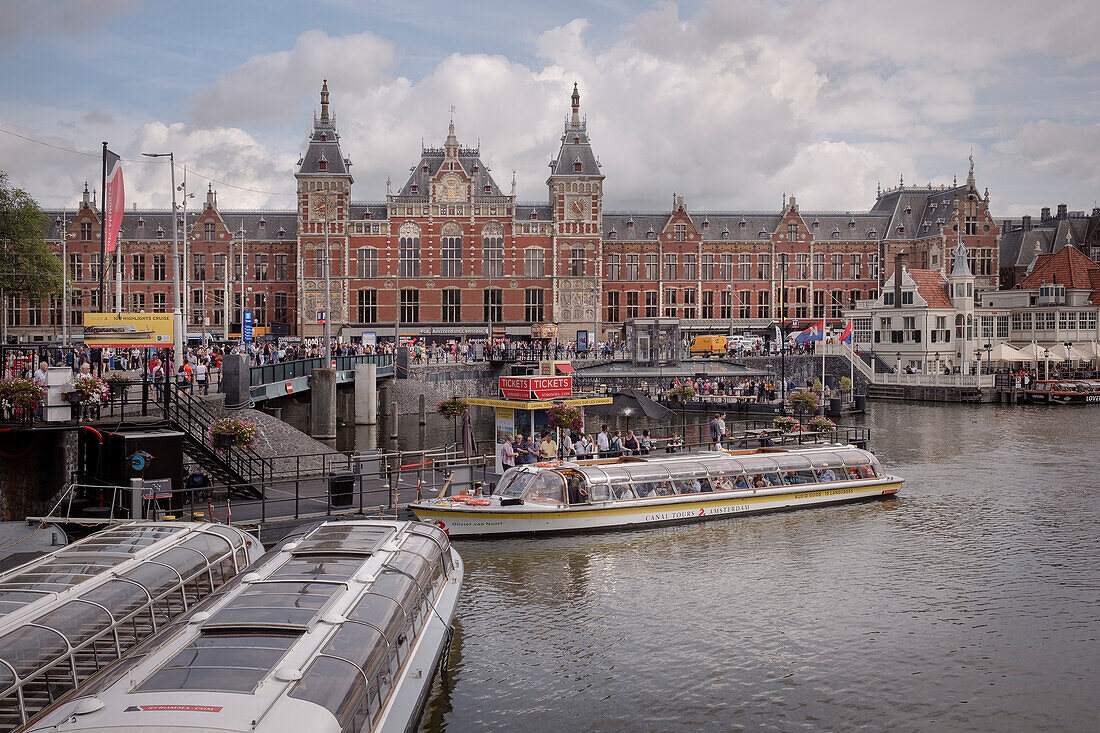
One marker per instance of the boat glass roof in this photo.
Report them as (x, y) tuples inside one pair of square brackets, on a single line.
[(274, 603), (221, 662), (346, 539)]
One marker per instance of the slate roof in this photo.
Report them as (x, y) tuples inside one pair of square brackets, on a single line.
[(727, 225), (926, 206), (541, 211), (575, 152), (141, 224), (359, 210), (433, 158)]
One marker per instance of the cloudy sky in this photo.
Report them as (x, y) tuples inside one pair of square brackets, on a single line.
[(730, 102)]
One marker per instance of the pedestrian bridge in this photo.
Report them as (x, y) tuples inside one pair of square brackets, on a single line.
[(292, 377)]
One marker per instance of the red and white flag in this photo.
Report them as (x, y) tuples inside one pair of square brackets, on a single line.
[(114, 200)]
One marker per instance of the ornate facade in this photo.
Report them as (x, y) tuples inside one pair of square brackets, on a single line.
[(450, 254)]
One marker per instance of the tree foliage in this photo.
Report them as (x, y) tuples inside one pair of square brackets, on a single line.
[(27, 266)]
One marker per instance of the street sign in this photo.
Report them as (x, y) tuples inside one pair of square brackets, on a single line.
[(246, 336), (535, 388), (320, 316)]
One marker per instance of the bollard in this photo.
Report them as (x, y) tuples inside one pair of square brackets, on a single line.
[(423, 433)]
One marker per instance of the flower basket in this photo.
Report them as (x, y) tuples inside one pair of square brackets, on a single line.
[(681, 394), (565, 417), (822, 424), (21, 396), (89, 390), (452, 407), (231, 432), (785, 423)]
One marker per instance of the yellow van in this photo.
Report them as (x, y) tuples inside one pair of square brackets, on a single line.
[(708, 346)]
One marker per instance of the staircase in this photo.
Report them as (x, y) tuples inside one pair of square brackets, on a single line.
[(243, 472)]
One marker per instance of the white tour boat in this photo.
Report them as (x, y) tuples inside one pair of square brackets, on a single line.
[(655, 488), (75, 612), (339, 628)]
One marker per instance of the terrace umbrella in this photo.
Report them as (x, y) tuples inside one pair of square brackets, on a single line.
[(1069, 353), (630, 403), (468, 446), (1004, 352)]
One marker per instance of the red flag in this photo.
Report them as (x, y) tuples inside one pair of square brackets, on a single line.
[(114, 201)]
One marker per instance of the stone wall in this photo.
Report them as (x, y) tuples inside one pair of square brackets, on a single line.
[(802, 367), (34, 469), (440, 382)]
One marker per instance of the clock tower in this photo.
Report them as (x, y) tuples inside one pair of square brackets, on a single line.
[(324, 198), (576, 202)]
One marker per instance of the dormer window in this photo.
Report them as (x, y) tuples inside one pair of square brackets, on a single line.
[(425, 169), (815, 224), (741, 223), (871, 233), (475, 169), (414, 188), (179, 223), (322, 164), (725, 234), (836, 233), (534, 214), (762, 233), (488, 189), (141, 222), (324, 137), (908, 209), (706, 224), (576, 141), (160, 233), (901, 229), (281, 233), (630, 223), (851, 223), (577, 165), (650, 234), (612, 234), (933, 206)]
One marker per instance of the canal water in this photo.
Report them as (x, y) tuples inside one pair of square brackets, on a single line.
[(970, 602)]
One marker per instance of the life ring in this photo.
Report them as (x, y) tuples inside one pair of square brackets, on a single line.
[(478, 502), (548, 464), (461, 498)]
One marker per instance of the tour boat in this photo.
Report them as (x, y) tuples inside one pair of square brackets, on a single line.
[(1064, 391), (77, 611), (339, 628), (659, 488), (119, 331)]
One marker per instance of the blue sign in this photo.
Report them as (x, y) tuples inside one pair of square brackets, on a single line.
[(246, 336)]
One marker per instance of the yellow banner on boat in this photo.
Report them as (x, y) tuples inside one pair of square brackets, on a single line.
[(537, 404), (125, 330)]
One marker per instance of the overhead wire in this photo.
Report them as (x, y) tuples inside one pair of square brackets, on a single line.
[(139, 160)]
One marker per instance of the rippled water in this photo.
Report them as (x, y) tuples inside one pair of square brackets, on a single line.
[(971, 602)]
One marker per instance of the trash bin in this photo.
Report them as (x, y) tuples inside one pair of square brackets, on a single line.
[(835, 407), (861, 402), (341, 488)]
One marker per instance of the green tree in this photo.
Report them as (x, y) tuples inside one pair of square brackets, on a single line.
[(28, 269)]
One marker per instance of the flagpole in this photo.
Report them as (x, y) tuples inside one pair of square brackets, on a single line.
[(102, 249)]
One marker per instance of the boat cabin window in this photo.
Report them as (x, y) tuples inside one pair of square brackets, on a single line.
[(795, 470), (338, 687), (217, 662), (828, 467), (691, 478), (514, 483), (576, 487), (546, 488)]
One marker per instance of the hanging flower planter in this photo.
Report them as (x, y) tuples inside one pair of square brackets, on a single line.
[(89, 391), (230, 432), (681, 394), (565, 417), (20, 397), (822, 424), (785, 423), (452, 408)]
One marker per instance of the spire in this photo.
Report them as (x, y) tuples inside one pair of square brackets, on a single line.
[(970, 176), (452, 141), (955, 180), (389, 186), (86, 201), (901, 180), (878, 189), (513, 183), (576, 103), (210, 196), (324, 99)]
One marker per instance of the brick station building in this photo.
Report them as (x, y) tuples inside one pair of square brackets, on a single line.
[(451, 254)]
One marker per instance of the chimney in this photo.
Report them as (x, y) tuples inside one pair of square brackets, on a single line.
[(210, 196), (1044, 215), (1025, 223), (1061, 211), (899, 269), (86, 203)]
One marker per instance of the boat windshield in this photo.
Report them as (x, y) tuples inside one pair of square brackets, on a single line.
[(547, 487), (513, 483)]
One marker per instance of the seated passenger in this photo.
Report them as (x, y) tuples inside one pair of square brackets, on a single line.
[(663, 488), (622, 491), (703, 485), (577, 494), (722, 483), (740, 483), (758, 481), (827, 475), (866, 472), (688, 486), (789, 478), (642, 490), (853, 473)]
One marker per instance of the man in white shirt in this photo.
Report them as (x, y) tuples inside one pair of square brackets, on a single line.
[(721, 430), (603, 440)]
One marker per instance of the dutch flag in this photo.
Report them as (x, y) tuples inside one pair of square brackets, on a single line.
[(846, 336)]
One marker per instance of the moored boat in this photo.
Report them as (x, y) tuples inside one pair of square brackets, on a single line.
[(339, 628), (659, 488), (1064, 391)]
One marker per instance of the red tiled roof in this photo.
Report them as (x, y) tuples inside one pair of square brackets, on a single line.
[(931, 286), (1066, 267)]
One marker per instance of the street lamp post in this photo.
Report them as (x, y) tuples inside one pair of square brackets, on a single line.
[(988, 359), (1068, 345), (1046, 363), (899, 362), (177, 307), (729, 289)]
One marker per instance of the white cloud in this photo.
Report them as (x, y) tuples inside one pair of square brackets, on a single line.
[(73, 17), (731, 107)]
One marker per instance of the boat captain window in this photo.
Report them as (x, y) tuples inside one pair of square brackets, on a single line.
[(513, 483), (546, 488)]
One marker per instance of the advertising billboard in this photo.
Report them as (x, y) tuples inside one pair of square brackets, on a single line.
[(127, 330), (535, 387)]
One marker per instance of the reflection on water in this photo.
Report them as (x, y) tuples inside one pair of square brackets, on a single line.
[(967, 603)]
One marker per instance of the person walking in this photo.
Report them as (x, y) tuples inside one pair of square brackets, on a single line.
[(508, 453)]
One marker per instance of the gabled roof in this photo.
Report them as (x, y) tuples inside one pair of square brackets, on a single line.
[(1069, 267), (472, 168), (932, 287)]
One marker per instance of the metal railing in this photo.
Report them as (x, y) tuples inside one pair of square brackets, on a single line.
[(936, 380), (286, 370)]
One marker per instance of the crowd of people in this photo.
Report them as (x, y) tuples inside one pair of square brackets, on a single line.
[(519, 450)]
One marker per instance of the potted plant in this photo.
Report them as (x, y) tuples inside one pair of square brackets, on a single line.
[(681, 394), (117, 383), (565, 417), (786, 423), (805, 401), (89, 390), (822, 424), (229, 432), (453, 408), (20, 397)]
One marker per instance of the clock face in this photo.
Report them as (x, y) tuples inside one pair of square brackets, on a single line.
[(577, 208), (452, 188)]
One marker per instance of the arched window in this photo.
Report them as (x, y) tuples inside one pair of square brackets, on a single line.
[(450, 257), (409, 244), (959, 323), (492, 249)]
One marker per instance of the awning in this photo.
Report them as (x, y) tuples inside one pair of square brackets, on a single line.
[(566, 368)]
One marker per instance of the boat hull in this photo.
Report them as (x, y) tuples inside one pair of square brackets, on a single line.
[(463, 521)]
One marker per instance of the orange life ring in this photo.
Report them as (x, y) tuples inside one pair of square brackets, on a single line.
[(461, 498), (478, 502), (548, 464)]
